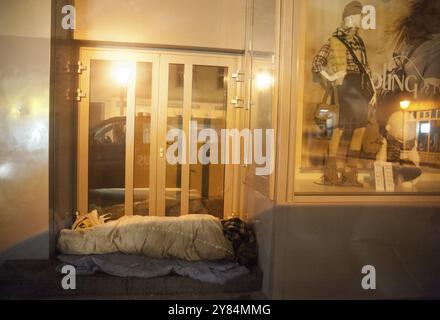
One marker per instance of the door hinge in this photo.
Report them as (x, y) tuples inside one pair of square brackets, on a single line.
[(238, 102), (238, 76), (80, 95), (67, 67), (81, 67), (68, 95)]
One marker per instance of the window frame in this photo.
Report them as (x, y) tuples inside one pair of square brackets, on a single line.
[(290, 124)]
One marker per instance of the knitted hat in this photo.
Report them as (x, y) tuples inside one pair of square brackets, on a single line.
[(351, 9)]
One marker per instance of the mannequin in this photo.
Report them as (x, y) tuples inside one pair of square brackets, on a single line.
[(336, 63)]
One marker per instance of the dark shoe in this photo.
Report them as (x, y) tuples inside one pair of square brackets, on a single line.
[(330, 176), (326, 181)]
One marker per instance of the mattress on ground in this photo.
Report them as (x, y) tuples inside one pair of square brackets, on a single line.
[(190, 237)]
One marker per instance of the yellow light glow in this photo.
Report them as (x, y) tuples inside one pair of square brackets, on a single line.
[(122, 75), (37, 132), (405, 104), (264, 81), (36, 135), (15, 112)]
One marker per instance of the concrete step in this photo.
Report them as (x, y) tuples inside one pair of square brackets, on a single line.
[(40, 280)]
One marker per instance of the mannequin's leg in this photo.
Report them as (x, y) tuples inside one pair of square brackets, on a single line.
[(350, 174), (330, 170), (335, 141), (356, 140)]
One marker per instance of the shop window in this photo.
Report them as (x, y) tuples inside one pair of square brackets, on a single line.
[(366, 103)]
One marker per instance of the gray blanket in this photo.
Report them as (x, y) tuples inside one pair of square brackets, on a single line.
[(123, 265)]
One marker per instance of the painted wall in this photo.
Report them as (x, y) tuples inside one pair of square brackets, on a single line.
[(259, 210), (319, 251), (25, 28), (195, 23)]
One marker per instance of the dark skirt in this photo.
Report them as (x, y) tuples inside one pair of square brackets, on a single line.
[(353, 104)]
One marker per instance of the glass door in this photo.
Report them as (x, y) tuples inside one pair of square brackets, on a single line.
[(132, 102), (116, 125), (194, 96)]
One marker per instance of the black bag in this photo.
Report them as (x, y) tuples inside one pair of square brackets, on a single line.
[(373, 139)]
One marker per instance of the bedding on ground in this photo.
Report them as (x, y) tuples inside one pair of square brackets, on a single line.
[(189, 237), (139, 266)]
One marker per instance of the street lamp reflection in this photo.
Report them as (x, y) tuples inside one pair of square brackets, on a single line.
[(405, 104)]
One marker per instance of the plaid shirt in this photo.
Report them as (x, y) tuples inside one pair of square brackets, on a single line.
[(321, 60)]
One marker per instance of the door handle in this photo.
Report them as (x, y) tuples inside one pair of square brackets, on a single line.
[(161, 152)]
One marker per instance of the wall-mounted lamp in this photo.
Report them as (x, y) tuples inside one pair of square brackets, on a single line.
[(122, 75), (264, 80)]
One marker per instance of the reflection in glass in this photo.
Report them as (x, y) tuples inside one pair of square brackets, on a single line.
[(142, 138), (107, 127), (173, 182), (400, 129), (435, 137), (261, 67), (262, 95), (209, 110)]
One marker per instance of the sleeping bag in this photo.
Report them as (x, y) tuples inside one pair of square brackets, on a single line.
[(189, 237)]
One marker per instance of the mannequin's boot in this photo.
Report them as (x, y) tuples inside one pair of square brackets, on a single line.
[(330, 176), (350, 174)]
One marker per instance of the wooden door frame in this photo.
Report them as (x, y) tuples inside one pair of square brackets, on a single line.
[(131, 57), (160, 61), (189, 60)]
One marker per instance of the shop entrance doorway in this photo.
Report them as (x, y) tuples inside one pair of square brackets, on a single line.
[(129, 101)]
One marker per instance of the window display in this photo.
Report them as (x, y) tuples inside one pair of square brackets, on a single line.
[(370, 95)]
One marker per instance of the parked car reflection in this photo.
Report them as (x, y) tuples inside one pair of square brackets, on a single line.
[(107, 154)]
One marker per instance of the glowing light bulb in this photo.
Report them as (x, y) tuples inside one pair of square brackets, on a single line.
[(122, 74), (405, 104), (264, 81)]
